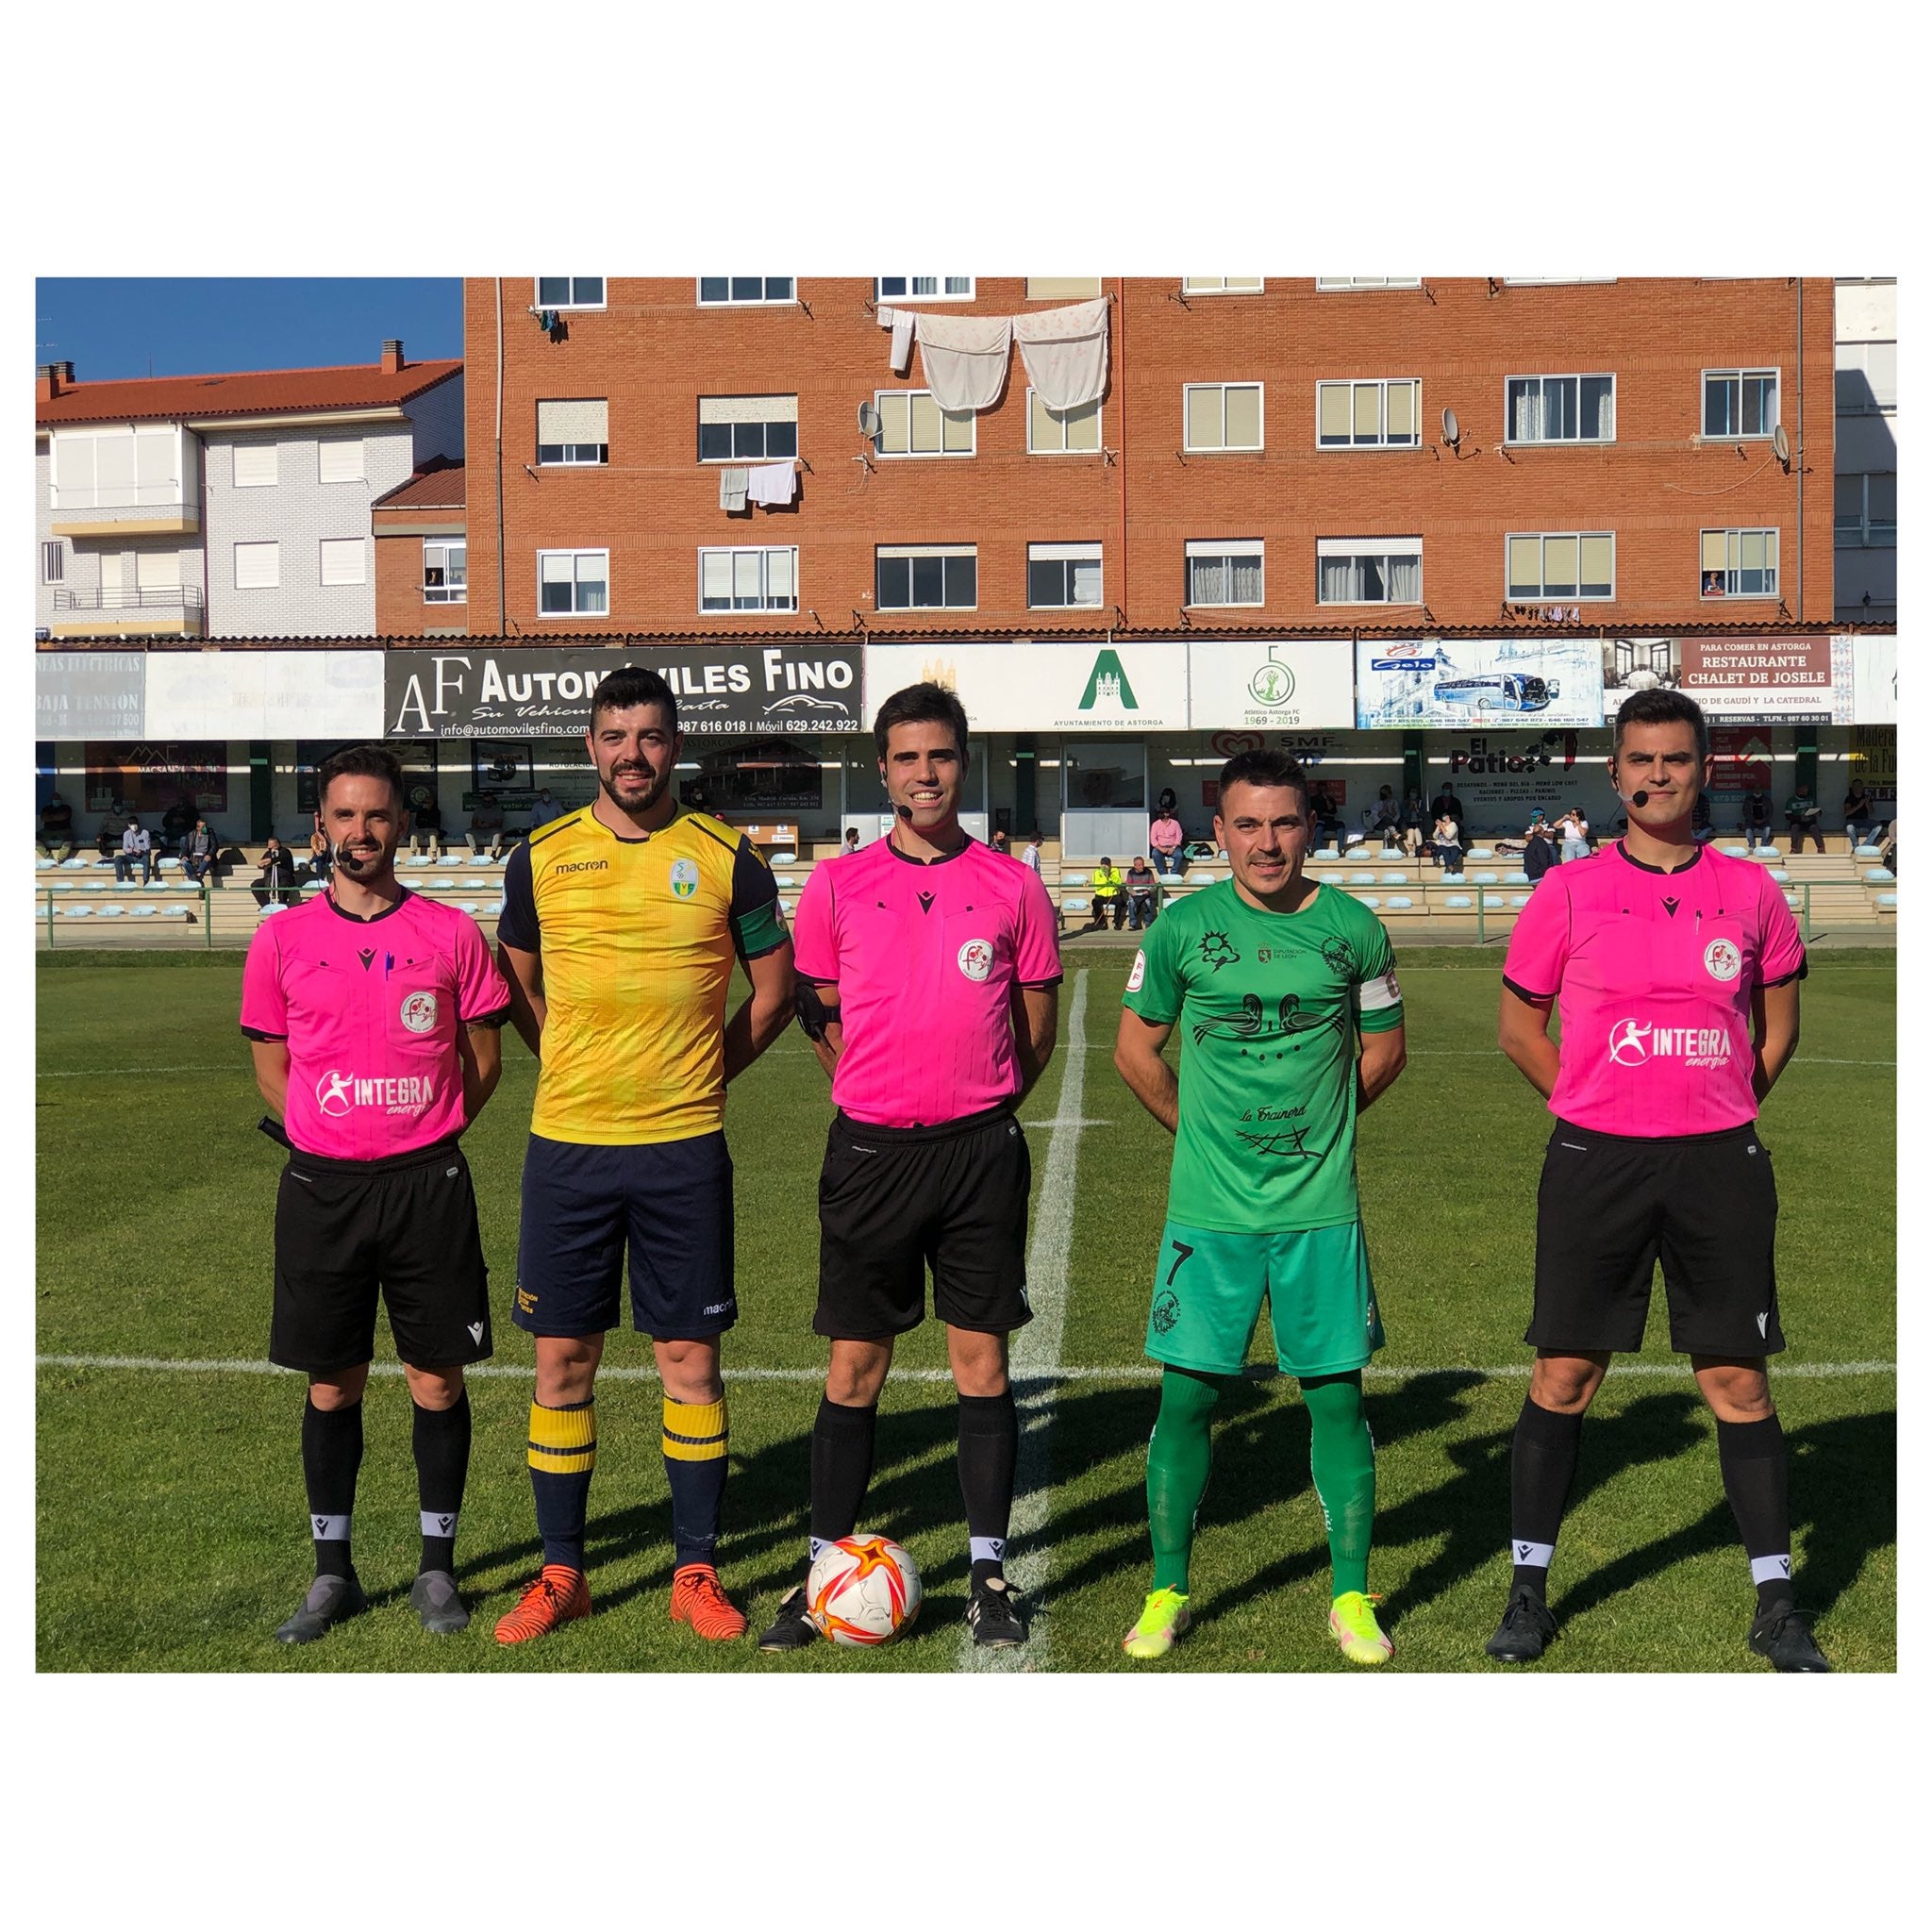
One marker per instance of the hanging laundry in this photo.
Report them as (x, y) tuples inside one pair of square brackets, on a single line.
[(964, 358), (1065, 353), (900, 322), (733, 487), (772, 484)]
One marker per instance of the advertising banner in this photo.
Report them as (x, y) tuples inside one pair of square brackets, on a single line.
[(1768, 680), (1741, 755), (525, 692), (1269, 684), (78, 693), (1044, 686), (1450, 683), (1874, 679), (256, 693), (144, 777), (1502, 778), (1874, 752)]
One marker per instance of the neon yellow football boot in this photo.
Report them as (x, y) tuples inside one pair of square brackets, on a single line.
[(1163, 1619), (1352, 1624)]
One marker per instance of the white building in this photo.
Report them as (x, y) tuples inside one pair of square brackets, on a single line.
[(1865, 523)]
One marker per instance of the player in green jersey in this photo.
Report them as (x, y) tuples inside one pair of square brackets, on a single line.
[(1271, 978)]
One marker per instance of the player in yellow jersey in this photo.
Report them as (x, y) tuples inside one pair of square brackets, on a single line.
[(619, 930)]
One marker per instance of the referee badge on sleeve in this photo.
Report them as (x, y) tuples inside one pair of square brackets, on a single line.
[(1139, 972)]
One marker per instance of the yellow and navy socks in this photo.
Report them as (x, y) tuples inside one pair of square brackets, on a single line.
[(697, 1441), (562, 1454)]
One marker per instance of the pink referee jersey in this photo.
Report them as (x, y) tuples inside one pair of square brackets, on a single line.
[(369, 1009), (1653, 974), (925, 958)]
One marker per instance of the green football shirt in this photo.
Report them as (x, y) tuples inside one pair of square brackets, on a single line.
[(1267, 1006)]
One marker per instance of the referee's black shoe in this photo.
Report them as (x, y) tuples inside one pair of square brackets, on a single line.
[(793, 1627), (1783, 1633), (1525, 1632), (441, 1611), (992, 1616), (329, 1600)]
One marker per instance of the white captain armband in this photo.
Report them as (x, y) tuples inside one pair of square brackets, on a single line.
[(1377, 994)]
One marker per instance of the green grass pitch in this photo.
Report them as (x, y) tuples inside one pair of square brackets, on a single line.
[(170, 1513)]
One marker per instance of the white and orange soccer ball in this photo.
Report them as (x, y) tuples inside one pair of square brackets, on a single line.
[(863, 1589)]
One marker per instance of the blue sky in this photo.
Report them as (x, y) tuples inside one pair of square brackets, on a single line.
[(109, 327)]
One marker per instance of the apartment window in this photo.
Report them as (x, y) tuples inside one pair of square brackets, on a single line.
[(1739, 402), (570, 292), (339, 459), (1865, 516), (1866, 379), (446, 570), (345, 561), (747, 429), (1061, 432), (912, 424), (1737, 563), (748, 579), (116, 468), (714, 290), (1551, 565), (573, 431), (1224, 570), (1062, 288), (1368, 281), (1380, 414), (1550, 281), (1221, 285), (258, 566), (927, 288), (572, 583), (1062, 576), (1560, 408), (53, 561), (257, 465), (1369, 570), (927, 577), (1222, 416)]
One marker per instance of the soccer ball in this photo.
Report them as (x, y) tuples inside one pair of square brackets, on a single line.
[(862, 1590)]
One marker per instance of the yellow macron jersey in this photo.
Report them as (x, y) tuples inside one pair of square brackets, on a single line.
[(637, 938)]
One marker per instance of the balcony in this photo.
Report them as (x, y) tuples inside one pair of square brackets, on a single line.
[(171, 611), (130, 510)]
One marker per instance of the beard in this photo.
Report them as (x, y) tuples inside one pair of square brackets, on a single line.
[(653, 792)]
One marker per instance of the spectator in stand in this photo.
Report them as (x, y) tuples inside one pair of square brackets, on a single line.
[(1033, 858), (108, 840), (135, 843), (1757, 819), (545, 811), (851, 844), (1572, 832), (1002, 843), (1801, 814), (425, 825), (1700, 819), (198, 850), (175, 823), (486, 825), (1165, 839), (1107, 895), (1328, 824), (1166, 802), (278, 880), (1446, 844), (319, 855), (57, 828), (1887, 848), (1414, 825), (1445, 801), (1861, 816), (1144, 895), (1538, 851), (1385, 820)]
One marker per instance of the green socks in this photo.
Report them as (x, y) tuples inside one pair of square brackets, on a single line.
[(1343, 1455), (1178, 1455)]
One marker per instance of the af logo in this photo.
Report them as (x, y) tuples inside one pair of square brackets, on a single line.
[(684, 877), (975, 959), (332, 1095), (1216, 951), (1722, 961), (419, 1012), (1167, 1310), (1630, 1044)]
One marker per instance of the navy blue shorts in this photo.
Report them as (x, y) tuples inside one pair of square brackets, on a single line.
[(670, 1200)]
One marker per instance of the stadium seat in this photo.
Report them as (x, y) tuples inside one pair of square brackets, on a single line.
[(1362, 879), (1779, 873), (1516, 878), (1888, 899), (272, 905), (782, 858), (76, 912), (141, 912), (1735, 851), (1482, 878), (1879, 875), (414, 859), (113, 911), (100, 885), (75, 864), (1368, 899), (1480, 851), (1395, 878), (1076, 878), (1767, 853), (1518, 898), (1494, 899), (1076, 906), (1459, 901), (1868, 851), (1400, 905), (1452, 878), (46, 864)]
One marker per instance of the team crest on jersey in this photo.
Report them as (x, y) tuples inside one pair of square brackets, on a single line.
[(419, 1012), (975, 959), (1722, 961), (1139, 973), (684, 877)]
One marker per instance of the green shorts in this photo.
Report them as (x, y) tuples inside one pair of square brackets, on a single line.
[(1209, 1289)]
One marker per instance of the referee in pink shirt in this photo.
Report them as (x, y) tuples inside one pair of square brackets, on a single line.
[(375, 1019), (1675, 971), (928, 975)]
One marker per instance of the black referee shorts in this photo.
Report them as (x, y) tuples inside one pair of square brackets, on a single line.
[(1610, 1208), (405, 1228), (896, 1201)]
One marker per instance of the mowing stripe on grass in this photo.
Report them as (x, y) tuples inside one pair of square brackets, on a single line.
[(1035, 1362), (1029, 1381)]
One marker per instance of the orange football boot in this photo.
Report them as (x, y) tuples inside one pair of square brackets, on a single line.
[(698, 1598), (559, 1595)]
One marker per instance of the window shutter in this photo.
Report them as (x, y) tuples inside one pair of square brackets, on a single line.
[(710, 410), (256, 465), (343, 559), (586, 419), (339, 460), (258, 566)]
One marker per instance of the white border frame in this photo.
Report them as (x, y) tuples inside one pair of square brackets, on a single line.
[(1260, 288), (1729, 531), (1576, 596), (1704, 377), (921, 456), (1372, 546), (442, 602), (1081, 552), (544, 616), (907, 300), (764, 609), (1099, 449), (896, 551), (789, 301), (722, 462), (1351, 383), (537, 300), (1223, 449), (1223, 547), (1578, 376), (1364, 285)]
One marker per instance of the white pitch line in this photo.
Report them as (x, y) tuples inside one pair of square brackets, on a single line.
[(1030, 1379), (1035, 1362)]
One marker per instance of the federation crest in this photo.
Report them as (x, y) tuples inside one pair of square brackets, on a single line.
[(1139, 975), (419, 1012), (1722, 961), (684, 877), (975, 958)]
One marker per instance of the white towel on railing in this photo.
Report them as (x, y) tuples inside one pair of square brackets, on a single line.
[(732, 486), (900, 322), (772, 484)]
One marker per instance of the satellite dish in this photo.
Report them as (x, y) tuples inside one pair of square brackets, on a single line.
[(1782, 444), (870, 421), (1451, 429)]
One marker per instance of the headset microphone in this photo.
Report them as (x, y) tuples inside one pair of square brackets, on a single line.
[(350, 862), (1639, 799), (906, 813)]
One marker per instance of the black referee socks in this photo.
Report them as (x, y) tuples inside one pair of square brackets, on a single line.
[(989, 1452), (1757, 1486), (331, 1457), (841, 1452), (440, 1438), (1543, 1465)]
